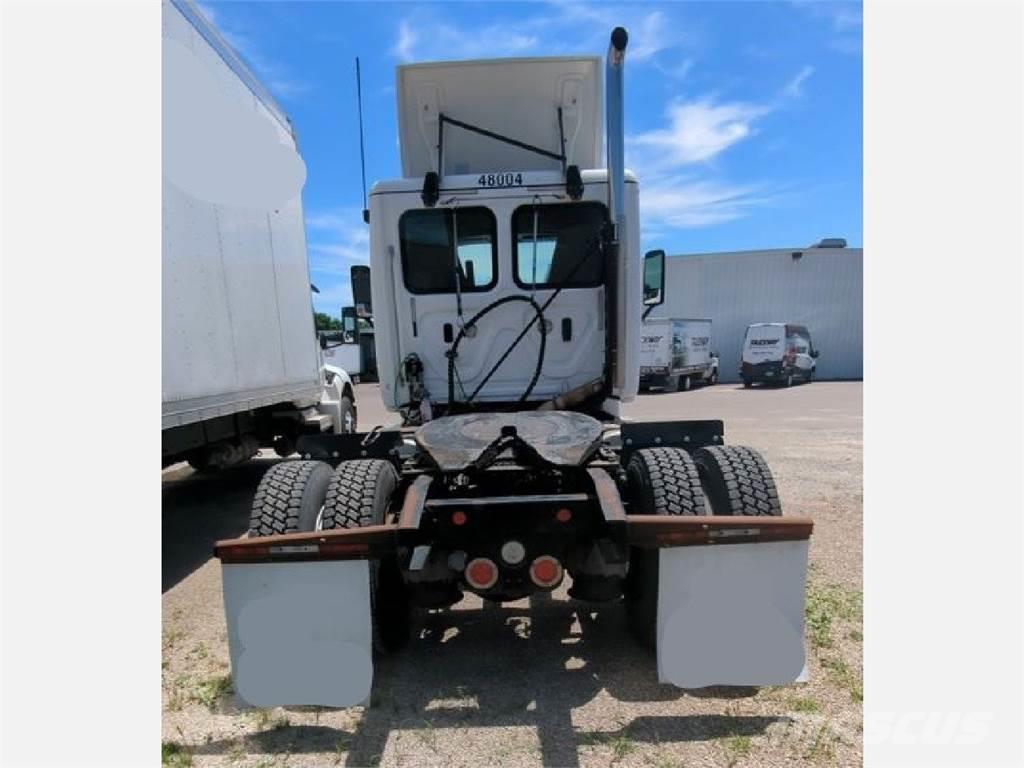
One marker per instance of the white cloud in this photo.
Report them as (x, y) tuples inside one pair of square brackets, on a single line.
[(404, 48), (698, 131), (679, 202), (677, 71), (794, 88), (336, 241), (560, 28), (845, 20), (423, 39)]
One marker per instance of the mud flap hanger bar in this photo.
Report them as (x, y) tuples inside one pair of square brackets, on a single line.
[(431, 182), (644, 531)]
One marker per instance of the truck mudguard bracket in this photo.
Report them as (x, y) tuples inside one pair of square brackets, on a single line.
[(333, 448), (670, 434), (412, 508), (372, 541), (657, 531)]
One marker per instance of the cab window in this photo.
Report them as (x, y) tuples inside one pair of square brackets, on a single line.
[(566, 247), (428, 247)]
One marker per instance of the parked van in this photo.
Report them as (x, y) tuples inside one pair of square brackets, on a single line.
[(777, 352), (676, 353)]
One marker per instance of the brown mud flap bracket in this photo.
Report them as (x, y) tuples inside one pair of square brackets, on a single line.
[(730, 598)]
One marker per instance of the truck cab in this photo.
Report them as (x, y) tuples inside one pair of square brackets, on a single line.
[(493, 281)]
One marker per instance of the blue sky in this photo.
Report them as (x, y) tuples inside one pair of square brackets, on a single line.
[(743, 119)]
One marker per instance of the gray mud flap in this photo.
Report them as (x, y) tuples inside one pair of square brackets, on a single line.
[(299, 633), (732, 614)]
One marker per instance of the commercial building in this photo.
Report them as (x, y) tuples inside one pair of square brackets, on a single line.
[(821, 287)]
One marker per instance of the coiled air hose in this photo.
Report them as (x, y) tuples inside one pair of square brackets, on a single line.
[(453, 352)]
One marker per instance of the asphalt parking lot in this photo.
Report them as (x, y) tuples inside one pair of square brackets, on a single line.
[(546, 681)]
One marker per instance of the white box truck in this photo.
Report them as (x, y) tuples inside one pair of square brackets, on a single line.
[(676, 353), (242, 366)]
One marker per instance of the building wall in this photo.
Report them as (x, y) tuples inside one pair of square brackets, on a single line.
[(823, 290)]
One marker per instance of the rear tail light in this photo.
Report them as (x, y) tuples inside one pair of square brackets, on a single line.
[(546, 572), (481, 573)]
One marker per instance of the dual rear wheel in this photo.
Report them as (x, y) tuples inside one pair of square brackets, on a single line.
[(718, 480), (298, 496)]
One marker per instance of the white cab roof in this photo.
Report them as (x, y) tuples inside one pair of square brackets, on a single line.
[(518, 98)]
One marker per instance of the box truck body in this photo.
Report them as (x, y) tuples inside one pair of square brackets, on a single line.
[(674, 352), (238, 336)]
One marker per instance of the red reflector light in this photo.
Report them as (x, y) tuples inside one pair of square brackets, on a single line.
[(546, 571), (564, 515), (459, 518), (481, 573)]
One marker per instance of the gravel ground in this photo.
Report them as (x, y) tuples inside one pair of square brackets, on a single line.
[(545, 681)]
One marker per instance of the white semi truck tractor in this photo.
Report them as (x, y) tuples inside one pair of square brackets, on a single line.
[(242, 365), (508, 289)]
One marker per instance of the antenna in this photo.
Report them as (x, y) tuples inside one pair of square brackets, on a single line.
[(362, 149)]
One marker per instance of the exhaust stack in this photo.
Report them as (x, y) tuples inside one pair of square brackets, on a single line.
[(616, 142), (615, 129)]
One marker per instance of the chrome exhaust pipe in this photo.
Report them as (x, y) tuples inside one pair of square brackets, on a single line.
[(615, 129)]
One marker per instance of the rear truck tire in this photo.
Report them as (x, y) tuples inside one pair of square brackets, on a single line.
[(289, 498), (347, 409), (660, 481), (789, 379), (748, 383), (684, 384), (359, 494), (737, 481)]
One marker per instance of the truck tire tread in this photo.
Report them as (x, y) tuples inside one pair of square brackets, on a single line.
[(289, 497), (737, 481), (353, 496), (667, 482)]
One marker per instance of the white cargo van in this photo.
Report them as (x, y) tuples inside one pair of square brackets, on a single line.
[(675, 353), (777, 352)]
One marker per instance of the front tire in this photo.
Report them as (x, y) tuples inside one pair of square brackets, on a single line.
[(748, 383), (289, 498), (661, 481), (347, 410), (359, 495), (684, 384)]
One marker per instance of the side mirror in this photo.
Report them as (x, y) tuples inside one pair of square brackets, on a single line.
[(361, 295), (349, 324), (654, 278)]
